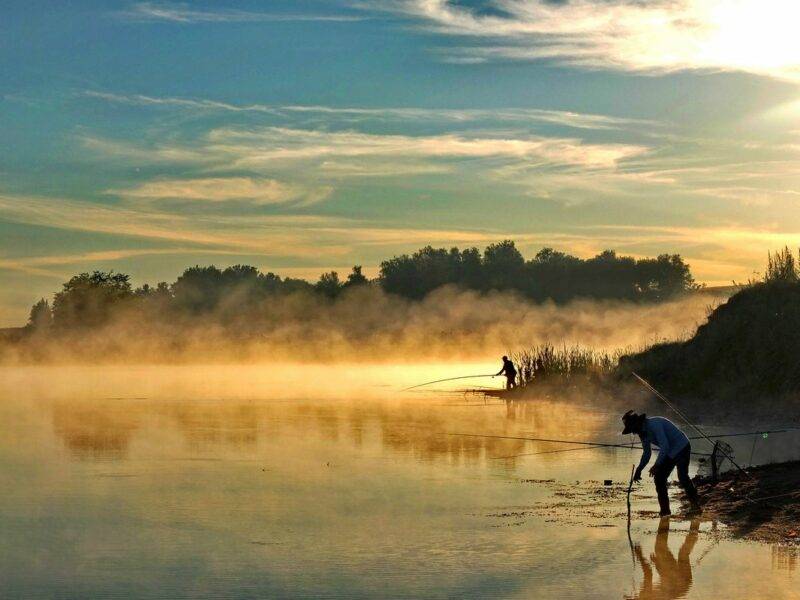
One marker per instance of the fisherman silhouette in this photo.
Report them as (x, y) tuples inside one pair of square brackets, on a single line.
[(510, 372), (674, 576), (674, 450)]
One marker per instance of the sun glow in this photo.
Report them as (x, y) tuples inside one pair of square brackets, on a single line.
[(754, 35)]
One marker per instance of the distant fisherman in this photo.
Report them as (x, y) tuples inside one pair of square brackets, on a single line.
[(510, 372), (674, 450)]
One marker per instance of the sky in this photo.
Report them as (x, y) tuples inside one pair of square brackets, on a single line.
[(303, 136)]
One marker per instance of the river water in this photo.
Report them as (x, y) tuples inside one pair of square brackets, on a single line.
[(324, 482)]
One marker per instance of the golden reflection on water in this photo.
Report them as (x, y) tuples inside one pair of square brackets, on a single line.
[(674, 574), (103, 429), (246, 487), (785, 557)]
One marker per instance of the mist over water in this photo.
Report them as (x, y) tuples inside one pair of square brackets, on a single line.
[(367, 325), (275, 480)]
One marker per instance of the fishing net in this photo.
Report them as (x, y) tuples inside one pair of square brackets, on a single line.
[(711, 466)]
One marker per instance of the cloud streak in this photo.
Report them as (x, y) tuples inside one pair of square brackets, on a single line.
[(257, 191), (186, 14), (448, 115), (755, 36), (261, 147)]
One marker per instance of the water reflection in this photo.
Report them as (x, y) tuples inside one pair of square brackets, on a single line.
[(674, 574), (258, 495), (93, 433), (104, 430), (784, 558)]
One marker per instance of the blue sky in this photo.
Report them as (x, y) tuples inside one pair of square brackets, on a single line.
[(308, 135)]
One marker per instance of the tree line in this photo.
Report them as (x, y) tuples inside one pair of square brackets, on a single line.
[(550, 275), (236, 293)]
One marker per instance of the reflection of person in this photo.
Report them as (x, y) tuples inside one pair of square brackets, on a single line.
[(510, 372), (674, 450), (674, 576)]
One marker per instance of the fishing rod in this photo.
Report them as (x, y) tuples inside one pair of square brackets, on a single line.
[(626, 446), (554, 441), (762, 432), (677, 411), (448, 379)]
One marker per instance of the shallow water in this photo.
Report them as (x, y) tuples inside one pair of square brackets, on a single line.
[(285, 481)]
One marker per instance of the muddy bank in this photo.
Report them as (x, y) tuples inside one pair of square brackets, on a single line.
[(763, 507)]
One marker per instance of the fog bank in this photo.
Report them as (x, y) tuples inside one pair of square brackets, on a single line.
[(366, 324)]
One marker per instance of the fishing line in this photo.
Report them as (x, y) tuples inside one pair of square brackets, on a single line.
[(448, 379)]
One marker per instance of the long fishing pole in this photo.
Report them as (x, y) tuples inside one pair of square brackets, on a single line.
[(677, 411), (590, 447), (534, 439), (551, 440), (448, 379), (743, 433)]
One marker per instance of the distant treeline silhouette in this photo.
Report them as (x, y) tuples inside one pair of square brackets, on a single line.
[(550, 275), (89, 299)]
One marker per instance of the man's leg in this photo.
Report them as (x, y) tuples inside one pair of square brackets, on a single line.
[(682, 465), (660, 479)]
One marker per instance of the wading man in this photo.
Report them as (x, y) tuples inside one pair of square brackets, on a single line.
[(510, 372), (674, 451)]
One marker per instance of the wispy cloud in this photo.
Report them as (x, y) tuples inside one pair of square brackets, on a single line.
[(308, 238), (257, 191), (756, 36), (563, 168), (448, 115), (273, 145), (717, 254), (186, 13), (275, 235), (48, 266)]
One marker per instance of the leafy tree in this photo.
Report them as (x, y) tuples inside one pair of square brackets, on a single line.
[(198, 289), (88, 300), (663, 277), (356, 278), (329, 284), (471, 274), (41, 316), (399, 276), (503, 266)]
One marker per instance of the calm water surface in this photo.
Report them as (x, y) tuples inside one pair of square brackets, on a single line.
[(283, 481)]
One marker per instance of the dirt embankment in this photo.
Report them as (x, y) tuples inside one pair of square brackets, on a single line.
[(764, 506)]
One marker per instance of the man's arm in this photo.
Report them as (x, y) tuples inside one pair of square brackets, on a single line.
[(663, 444), (646, 453)]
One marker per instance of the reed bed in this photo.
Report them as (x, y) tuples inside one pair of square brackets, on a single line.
[(546, 361)]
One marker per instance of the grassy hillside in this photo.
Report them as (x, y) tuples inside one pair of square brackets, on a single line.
[(748, 348)]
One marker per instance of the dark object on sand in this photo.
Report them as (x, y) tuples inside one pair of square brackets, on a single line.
[(607, 482)]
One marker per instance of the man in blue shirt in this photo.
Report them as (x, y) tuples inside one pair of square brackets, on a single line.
[(674, 450)]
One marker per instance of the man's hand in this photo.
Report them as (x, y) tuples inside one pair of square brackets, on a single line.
[(653, 470)]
